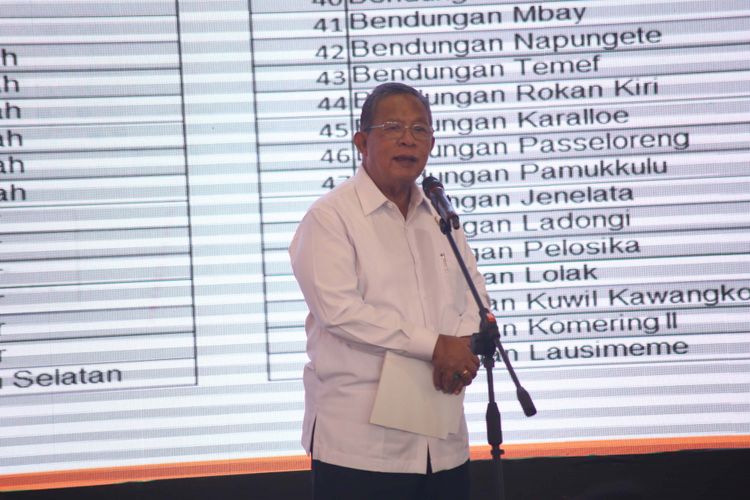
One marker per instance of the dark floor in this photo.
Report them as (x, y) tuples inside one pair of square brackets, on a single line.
[(704, 475)]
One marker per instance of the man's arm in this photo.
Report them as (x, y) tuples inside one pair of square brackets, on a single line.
[(324, 263)]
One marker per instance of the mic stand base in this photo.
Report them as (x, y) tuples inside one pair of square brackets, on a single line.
[(494, 430)]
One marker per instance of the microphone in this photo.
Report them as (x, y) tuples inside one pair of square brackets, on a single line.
[(434, 190)]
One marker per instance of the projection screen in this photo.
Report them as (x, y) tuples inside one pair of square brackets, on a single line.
[(156, 156)]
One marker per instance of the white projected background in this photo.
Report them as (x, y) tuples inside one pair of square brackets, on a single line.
[(155, 158)]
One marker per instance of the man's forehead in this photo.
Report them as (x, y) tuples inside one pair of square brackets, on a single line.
[(388, 104)]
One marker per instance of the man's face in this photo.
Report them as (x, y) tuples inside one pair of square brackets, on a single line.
[(395, 162)]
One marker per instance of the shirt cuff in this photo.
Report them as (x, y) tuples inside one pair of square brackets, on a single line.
[(422, 343)]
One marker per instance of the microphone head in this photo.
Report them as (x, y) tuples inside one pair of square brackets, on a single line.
[(429, 183)]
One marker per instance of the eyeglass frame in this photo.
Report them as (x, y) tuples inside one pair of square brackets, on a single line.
[(403, 128)]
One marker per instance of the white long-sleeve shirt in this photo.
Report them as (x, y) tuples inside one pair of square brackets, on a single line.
[(373, 282)]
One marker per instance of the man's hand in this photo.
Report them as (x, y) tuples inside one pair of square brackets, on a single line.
[(454, 365)]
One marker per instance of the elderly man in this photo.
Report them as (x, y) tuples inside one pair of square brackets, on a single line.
[(389, 323)]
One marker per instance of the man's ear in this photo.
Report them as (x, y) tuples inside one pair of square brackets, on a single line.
[(360, 140)]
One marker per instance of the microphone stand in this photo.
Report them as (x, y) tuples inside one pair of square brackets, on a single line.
[(484, 343)]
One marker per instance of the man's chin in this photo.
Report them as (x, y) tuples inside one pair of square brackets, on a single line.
[(410, 174), (408, 167)]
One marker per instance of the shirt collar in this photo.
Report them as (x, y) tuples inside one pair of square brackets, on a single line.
[(371, 197)]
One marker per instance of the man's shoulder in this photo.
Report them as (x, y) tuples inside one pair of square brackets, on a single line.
[(341, 198)]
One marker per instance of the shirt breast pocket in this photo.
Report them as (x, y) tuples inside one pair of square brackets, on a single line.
[(454, 290)]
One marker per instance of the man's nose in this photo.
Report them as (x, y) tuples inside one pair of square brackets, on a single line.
[(407, 137)]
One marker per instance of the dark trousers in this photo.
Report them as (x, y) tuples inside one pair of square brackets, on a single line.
[(331, 482)]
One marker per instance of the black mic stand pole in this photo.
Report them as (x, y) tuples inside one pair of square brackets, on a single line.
[(484, 344)]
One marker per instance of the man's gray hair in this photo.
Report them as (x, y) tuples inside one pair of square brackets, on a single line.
[(385, 90)]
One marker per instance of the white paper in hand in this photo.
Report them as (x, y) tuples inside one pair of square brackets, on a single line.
[(407, 400)]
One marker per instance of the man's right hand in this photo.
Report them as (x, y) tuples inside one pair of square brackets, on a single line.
[(454, 365)]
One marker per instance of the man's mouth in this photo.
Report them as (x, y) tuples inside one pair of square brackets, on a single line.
[(405, 159)]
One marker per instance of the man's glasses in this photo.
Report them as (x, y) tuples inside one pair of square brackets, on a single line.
[(394, 130)]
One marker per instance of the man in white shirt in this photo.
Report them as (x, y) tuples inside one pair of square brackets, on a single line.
[(387, 299)]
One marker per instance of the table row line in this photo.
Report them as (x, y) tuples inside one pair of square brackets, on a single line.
[(29, 123), (224, 172), (294, 41), (29, 204), (331, 153), (114, 349), (165, 281), (131, 88), (232, 9), (653, 207), (661, 350), (684, 307)]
